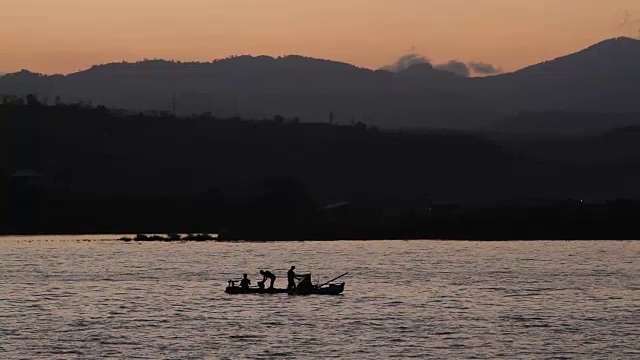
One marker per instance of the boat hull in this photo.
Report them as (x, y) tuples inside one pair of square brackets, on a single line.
[(238, 290), (333, 289)]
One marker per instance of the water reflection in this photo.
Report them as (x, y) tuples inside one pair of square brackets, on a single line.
[(425, 299)]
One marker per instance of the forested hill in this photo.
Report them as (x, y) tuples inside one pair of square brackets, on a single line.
[(86, 166), (100, 150)]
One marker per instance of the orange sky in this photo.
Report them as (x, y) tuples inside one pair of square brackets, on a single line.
[(64, 36)]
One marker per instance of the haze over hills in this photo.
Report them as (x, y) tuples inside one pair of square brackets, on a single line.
[(603, 78)]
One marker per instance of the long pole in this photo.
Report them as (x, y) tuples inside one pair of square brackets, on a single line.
[(333, 279)]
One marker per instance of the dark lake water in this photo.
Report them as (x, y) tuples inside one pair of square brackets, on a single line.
[(67, 299)]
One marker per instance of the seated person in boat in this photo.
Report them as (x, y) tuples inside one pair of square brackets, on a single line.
[(245, 282), (266, 274)]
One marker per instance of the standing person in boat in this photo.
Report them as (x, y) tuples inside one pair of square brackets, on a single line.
[(266, 274), (245, 282), (291, 277)]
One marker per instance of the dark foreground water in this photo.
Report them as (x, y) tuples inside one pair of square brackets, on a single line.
[(65, 299)]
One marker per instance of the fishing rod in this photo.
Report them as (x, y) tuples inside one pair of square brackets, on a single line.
[(333, 279)]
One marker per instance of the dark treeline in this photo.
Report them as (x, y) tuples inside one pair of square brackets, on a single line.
[(74, 168)]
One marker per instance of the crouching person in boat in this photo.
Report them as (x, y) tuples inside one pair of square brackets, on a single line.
[(245, 282), (266, 274)]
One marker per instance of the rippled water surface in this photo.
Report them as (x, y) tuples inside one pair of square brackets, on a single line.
[(65, 299)]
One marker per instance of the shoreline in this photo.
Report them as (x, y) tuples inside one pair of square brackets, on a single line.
[(106, 237)]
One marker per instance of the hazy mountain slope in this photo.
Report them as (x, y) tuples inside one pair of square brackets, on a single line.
[(570, 123), (263, 86), (602, 78)]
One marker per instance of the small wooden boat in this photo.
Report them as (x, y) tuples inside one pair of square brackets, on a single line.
[(305, 287)]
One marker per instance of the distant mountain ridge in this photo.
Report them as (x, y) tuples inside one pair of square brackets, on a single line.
[(603, 78)]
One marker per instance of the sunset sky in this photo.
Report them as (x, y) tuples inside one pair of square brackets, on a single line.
[(64, 36)]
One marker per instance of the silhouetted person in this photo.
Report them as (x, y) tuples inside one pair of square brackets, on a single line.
[(245, 282), (291, 277), (266, 274)]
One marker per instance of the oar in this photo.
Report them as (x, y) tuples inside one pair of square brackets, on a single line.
[(333, 279)]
